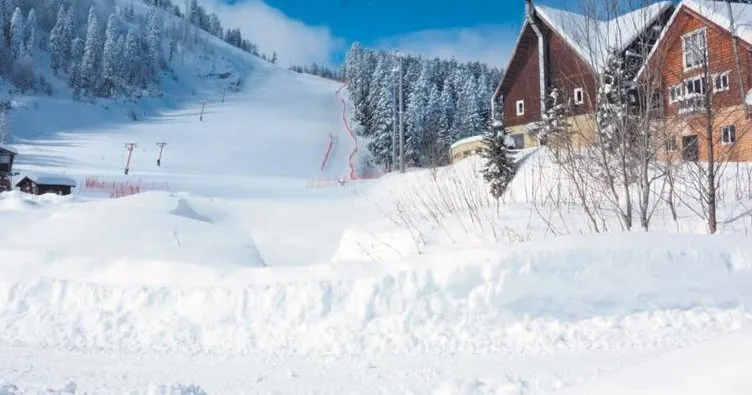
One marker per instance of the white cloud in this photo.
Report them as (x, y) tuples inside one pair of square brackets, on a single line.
[(488, 44), (295, 42)]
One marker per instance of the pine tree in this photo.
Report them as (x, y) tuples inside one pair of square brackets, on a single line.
[(89, 67), (499, 167), (109, 58), (553, 123), (417, 115), (153, 41), (17, 34), (57, 54), (132, 64), (5, 55), (68, 37), (31, 29)]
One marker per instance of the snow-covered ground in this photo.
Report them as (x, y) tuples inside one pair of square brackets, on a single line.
[(232, 276)]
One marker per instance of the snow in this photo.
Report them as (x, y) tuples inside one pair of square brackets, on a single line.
[(50, 179), (467, 140), (718, 13), (235, 278), (594, 39), (714, 367), (6, 148)]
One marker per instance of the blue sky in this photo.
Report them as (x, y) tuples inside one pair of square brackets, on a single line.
[(321, 30)]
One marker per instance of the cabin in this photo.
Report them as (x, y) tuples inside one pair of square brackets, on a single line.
[(466, 147), (702, 62), (46, 183), (7, 156), (564, 52)]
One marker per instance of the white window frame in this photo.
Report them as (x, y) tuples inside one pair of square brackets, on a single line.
[(520, 107), (671, 145), (581, 98), (720, 77), (685, 54), (724, 130)]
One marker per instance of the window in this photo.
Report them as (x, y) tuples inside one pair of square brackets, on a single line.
[(694, 47), (579, 96), (695, 86), (520, 107), (4, 158), (721, 82), (675, 93), (671, 144), (728, 134)]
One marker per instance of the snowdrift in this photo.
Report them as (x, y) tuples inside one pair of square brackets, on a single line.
[(618, 293), (142, 237)]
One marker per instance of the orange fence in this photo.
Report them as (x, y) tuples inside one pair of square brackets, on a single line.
[(124, 188)]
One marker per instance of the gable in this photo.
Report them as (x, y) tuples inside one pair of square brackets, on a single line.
[(527, 46)]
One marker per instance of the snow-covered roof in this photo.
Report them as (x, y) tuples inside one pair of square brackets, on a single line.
[(6, 148), (51, 179), (594, 39), (467, 140), (718, 13)]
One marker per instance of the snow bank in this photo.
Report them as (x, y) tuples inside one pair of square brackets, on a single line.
[(150, 237), (617, 293)]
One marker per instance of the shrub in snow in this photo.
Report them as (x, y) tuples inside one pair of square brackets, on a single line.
[(499, 168)]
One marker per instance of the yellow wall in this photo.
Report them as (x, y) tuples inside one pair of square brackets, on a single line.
[(582, 129), (462, 151)]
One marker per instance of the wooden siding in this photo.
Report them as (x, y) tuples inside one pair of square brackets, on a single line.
[(568, 71), (522, 81), (727, 106)]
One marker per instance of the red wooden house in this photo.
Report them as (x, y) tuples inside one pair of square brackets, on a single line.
[(703, 60), (566, 51)]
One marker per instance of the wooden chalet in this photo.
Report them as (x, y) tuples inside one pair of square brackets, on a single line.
[(567, 52), (704, 58), (46, 183)]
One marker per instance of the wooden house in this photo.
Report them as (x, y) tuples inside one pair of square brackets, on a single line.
[(7, 156), (46, 183), (566, 52), (702, 63)]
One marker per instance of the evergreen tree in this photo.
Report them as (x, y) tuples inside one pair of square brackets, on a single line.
[(17, 34), (499, 167), (553, 122), (153, 42), (90, 62), (68, 37), (5, 55), (57, 55), (110, 58), (132, 64), (31, 29), (417, 116)]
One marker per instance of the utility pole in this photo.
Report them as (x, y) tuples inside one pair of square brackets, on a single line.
[(223, 94), (129, 147), (401, 117), (203, 104), (161, 149)]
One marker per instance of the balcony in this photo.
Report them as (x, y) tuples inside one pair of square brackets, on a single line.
[(692, 105)]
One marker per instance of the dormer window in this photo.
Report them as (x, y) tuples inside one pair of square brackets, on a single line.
[(520, 107), (694, 47)]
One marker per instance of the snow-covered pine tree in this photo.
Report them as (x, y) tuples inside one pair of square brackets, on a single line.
[(416, 133), (499, 167), (153, 42), (553, 123), (109, 58), (380, 144), (447, 109), (31, 31), (69, 35), (90, 62), (57, 53), (5, 56), (17, 34), (132, 62)]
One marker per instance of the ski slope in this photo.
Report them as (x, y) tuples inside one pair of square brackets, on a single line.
[(239, 279)]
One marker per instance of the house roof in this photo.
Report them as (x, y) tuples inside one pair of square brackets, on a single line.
[(8, 149), (594, 39), (50, 179), (467, 140), (716, 12)]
